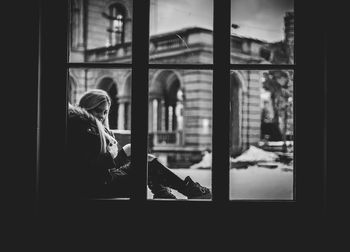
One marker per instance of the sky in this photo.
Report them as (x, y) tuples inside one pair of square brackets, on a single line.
[(260, 19)]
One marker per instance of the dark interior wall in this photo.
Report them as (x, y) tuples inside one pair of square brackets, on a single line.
[(310, 194)]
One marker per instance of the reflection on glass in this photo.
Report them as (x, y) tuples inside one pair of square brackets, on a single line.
[(100, 31), (180, 129), (261, 134), (112, 108), (181, 31), (262, 32)]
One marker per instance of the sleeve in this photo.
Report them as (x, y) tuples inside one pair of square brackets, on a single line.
[(110, 133)]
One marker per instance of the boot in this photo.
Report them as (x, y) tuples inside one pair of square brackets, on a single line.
[(193, 190), (161, 192)]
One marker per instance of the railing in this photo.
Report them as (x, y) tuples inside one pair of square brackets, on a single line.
[(122, 51), (166, 138), (168, 44), (162, 42)]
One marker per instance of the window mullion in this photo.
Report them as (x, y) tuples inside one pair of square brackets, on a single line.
[(221, 80), (139, 90)]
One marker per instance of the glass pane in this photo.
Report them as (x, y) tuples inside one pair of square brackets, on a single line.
[(100, 31), (89, 89), (181, 32), (180, 131), (261, 135), (262, 32)]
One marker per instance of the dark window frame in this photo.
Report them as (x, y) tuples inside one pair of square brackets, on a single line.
[(53, 61)]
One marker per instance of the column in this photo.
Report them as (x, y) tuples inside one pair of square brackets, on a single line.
[(174, 118), (128, 118), (179, 116), (121, 116), (170, 118), (163, 116), (155, 115), (159, 114)]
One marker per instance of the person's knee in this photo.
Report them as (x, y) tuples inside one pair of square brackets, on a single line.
[(150, 157), (127, 149)]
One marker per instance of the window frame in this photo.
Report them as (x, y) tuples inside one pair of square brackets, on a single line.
[(52, 111)]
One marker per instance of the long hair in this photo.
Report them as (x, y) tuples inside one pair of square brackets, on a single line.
[(94, 98), (101, 132)]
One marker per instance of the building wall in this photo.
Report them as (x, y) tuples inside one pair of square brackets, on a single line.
[(90, 78), (251, 108), (194, 47), (198, 108)]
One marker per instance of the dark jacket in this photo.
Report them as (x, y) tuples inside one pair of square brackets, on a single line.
[(93, 175)]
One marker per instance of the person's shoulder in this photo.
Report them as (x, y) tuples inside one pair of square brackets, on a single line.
[(77, 113)]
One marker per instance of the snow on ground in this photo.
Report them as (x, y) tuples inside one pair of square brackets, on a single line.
[(256, 182), (253, 183), (255, 154)]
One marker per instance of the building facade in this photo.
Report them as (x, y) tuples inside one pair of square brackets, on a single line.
[(180, 101)]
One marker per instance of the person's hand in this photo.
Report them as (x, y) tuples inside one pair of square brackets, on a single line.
[(112, 148), (127, 149)]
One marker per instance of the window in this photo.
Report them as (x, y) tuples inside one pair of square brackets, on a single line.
[(223, 71), (116, 28)]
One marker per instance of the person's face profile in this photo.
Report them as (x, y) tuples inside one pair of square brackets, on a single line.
[(101, 112)]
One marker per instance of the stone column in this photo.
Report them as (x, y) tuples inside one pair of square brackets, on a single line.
[(163, 117), (179, 116), (150, 115), (170, 118), (128, 112), (174, 118), (121, 116), (155, 115), (159, 114)]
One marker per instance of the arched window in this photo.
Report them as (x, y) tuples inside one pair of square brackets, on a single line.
[(116, 28)]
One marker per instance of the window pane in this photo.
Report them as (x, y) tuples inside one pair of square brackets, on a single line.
[(180, 125), (261, 134), (100, 31), (181, 31), (117, 84), (262, 32)]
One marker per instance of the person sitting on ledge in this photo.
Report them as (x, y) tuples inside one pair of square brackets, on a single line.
[(103, 168)]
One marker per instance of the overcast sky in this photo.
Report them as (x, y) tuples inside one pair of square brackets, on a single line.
[(261, 19)]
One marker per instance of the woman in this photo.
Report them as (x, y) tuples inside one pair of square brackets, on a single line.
[(111, 164)]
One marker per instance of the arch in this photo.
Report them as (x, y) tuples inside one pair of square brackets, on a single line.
[(240, 80), (236, 111), (117, 14), (165, 104), (162, 82), (125, 89), (120, 3), (110, 86), (124, 112)]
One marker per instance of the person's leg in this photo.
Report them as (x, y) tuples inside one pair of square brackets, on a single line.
[(160, 177), (159, 174), (121, 159), (158, 190)]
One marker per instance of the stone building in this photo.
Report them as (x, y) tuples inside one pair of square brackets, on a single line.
[(180, 101)]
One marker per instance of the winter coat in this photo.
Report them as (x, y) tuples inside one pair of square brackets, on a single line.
[(92, 174)]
